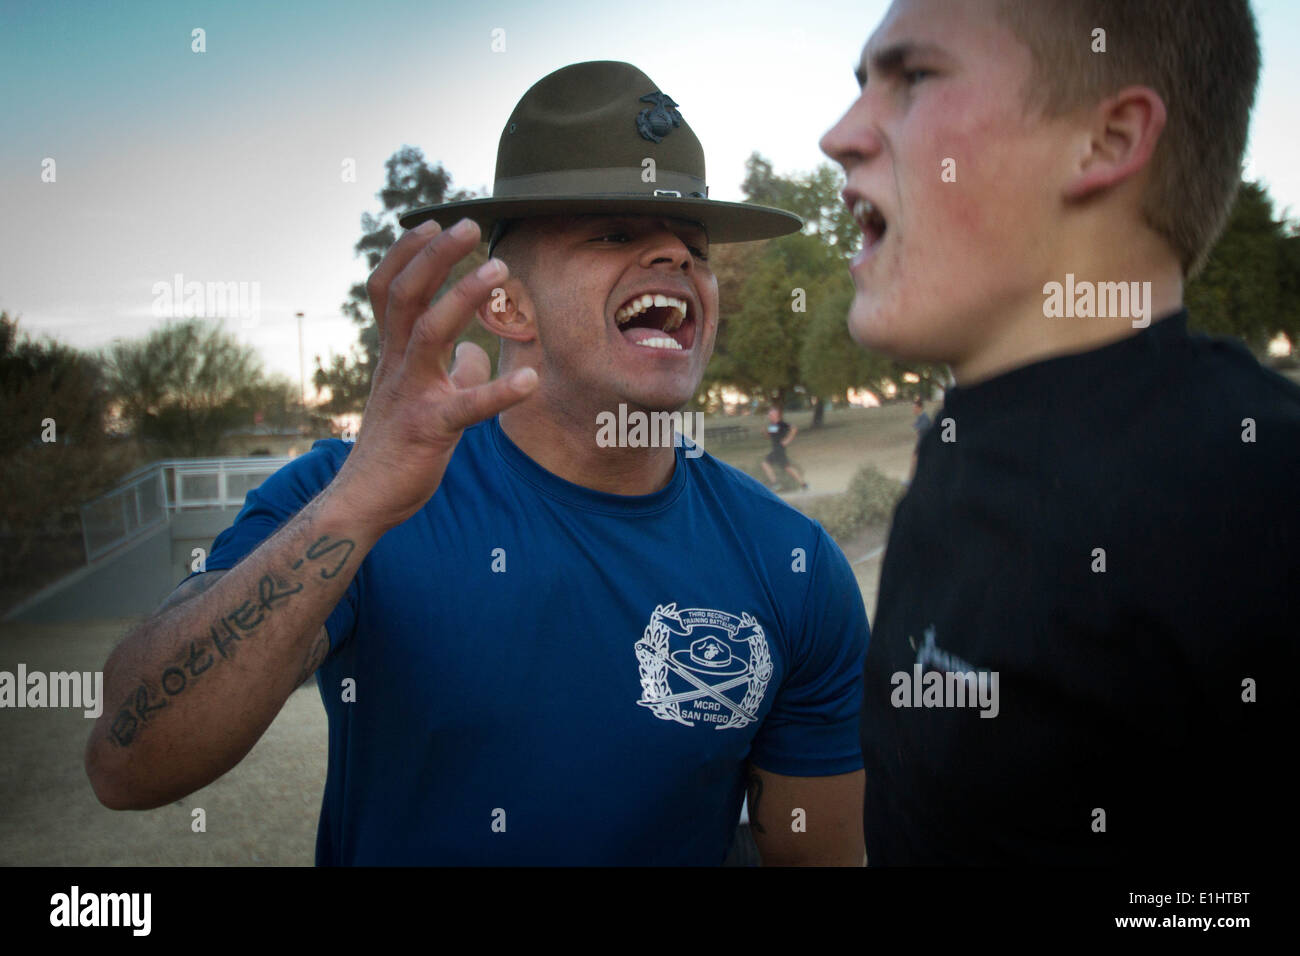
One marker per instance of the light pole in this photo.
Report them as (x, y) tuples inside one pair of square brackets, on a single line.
[(302, 376)]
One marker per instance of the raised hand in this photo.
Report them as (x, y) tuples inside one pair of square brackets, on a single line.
[(418, 405)]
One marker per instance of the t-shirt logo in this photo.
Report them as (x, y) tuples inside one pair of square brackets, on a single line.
[(690, 659)]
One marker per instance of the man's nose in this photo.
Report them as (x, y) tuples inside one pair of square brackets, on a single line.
[(854, 138), (667, 249)]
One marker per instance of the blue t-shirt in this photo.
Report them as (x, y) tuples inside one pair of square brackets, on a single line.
[(546, 674)]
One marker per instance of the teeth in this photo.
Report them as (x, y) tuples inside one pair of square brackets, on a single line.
[(643, 302), (868, 216), (661, 343)]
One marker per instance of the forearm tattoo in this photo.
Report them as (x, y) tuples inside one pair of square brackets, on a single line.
[(238, 623)]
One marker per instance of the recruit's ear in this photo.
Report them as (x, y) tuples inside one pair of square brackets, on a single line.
[(1118, 142), (508, 312)]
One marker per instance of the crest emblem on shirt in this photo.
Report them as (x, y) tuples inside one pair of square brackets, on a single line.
[(703, 666)]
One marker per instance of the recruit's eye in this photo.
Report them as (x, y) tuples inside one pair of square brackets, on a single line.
[(612, 237), (912, 77), (699, 253)]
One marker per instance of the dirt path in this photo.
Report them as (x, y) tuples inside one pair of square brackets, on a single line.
[(829, 456), (262, 812)]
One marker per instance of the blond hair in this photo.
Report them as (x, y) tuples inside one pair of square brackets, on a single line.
[(1201, 57)]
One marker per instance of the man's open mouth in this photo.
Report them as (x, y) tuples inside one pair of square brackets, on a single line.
[(870, 221), (657, 320)]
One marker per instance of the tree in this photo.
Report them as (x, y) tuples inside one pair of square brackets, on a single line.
[(814, 197), (762, 340), (184, 386), (792, 292), (275, 401), (787, 332), (830, 361), (54, 452), (410, 182), (732, 264), (348, 376), (1250, 286), (766, 289), (40, 380)]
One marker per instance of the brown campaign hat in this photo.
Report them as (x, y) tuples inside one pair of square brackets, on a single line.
[(601, 137)]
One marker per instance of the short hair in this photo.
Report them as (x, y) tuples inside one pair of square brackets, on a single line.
[(498, 233), (514, 248), (1201, 57)]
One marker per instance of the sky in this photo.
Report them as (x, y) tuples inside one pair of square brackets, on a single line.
[(226, 166)]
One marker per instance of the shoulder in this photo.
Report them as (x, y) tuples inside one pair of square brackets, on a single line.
[(727, 480), (327, 453), (748, 504), (307, 474), (1234, 406), (1203, 446), (1230, 374)]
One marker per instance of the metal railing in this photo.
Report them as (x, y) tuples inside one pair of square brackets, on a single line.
[(148, 497)]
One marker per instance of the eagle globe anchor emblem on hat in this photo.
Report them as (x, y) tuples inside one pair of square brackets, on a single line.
[(578, 143), (656, 122), (706, 666)]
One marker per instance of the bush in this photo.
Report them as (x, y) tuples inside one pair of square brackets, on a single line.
[(870, 499), (54, 454), (876, 494)]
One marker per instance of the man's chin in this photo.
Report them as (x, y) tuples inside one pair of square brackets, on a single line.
[(660, 397), (656, 403), (872, 327), (886, 331)]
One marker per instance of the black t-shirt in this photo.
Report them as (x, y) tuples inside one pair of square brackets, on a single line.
[(1118, 690), (777, 432)]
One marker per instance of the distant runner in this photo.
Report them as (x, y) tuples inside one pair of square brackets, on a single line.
[(782, 433)]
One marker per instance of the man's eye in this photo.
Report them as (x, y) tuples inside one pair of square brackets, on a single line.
[(614, 236), (912, 77), (699, 253)]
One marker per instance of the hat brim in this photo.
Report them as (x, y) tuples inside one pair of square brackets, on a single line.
[(724, 221)]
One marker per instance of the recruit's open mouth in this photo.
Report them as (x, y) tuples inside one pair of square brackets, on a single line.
[(657, 320), (870, 220)]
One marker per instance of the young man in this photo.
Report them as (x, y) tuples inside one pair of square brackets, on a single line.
[(920, 420), (534, 646), (781, 433), (1093, 578)]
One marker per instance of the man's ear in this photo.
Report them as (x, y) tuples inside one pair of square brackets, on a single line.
[(508, 312), (1123, 135)]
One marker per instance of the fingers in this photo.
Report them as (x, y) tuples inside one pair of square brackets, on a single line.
[(470, 406), (420, 278), (472, 366), (438, 326), (394, 261)]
